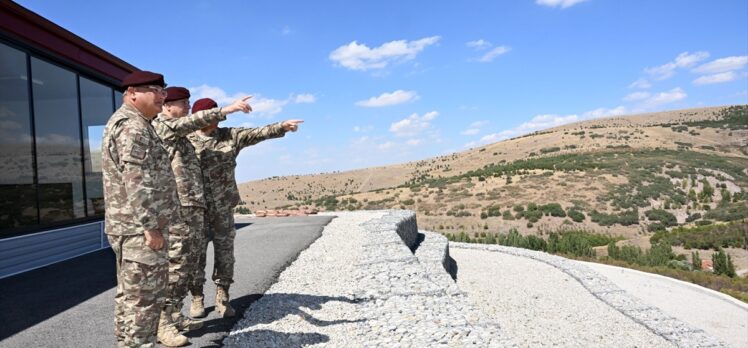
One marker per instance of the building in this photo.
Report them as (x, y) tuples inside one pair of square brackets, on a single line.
[(57, 92)]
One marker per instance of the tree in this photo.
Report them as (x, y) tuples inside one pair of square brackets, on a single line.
[(696, 260), (722, 264), (706, 192)]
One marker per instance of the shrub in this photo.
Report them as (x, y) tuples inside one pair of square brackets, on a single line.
[(575, 215), (663, 216)]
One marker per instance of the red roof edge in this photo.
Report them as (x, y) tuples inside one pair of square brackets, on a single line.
[(47, 36)]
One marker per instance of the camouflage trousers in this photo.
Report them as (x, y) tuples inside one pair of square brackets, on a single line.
[(142, 275), (219, 228), (185, 245)]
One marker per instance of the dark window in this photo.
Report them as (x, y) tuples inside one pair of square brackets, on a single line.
[(96, 108), (17, 193), (58, 142), (117, 100)]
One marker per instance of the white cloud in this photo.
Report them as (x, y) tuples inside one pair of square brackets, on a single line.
[(357, 56), (662, 98), (414, 142), (386, 146), (716, 78), (604, 112), (559, 3), (261, 106), (362, 129), (683, 60), (470, 131), (722, 65), (305, 98), (478, 44), (387, 99), (536, 123), (267, 107), (474, 128), (641, 83), (636, 96), (490, 55), (413, 124)]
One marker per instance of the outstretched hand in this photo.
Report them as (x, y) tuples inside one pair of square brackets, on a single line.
[(239, 105), (291, 125)]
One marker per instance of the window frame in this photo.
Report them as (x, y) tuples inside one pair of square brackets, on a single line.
[(79, 71)]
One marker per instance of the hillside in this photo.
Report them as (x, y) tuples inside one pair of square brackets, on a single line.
[(625, 177)]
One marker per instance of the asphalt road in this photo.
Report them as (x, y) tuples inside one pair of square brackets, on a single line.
[(71, 304)]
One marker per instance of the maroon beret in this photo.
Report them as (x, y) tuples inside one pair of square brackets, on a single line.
[(143, 78), (176, 93), (203, 104)]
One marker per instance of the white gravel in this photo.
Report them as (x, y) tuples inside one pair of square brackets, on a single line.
[(540, 306), (312, 301), (717, 314)]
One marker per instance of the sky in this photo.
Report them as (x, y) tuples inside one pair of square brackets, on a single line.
[(385, 82)]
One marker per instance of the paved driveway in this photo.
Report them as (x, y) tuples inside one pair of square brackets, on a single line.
[(70, 304)]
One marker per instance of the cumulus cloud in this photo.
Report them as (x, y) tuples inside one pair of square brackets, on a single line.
[(636, 96), (261, 106), (683, 60), (663, 98), (355, 56), (305, 98), (604, 112), (413, 124), (387, 99), (722, 65), (559, 3), (641, 83), (479, 44), (536, 123), (492, 54), (715, 78)]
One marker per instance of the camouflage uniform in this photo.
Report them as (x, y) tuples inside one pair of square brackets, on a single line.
[(185, 245), (217, 153), (140, 194)]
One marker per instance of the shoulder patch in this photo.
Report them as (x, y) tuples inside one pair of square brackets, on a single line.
[(138, 151)]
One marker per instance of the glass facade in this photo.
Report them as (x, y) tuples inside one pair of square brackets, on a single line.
[(51, 123)]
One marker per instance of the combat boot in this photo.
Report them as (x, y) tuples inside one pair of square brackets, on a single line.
[(184, 323), (167, 333), (197, 308), (223, 307)]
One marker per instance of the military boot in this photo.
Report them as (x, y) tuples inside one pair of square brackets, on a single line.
[(197, 308), (167, 333), (184, 323), (223, 307)]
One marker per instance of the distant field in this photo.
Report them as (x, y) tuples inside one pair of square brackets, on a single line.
[(628, 178)]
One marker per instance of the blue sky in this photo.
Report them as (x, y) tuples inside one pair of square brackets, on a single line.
[(385, 82)]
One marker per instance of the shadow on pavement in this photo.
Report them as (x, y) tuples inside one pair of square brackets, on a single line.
[(32, 297), (275, 307)]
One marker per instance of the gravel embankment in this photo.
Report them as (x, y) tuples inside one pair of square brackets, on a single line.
[(360, 285), (541, 307), (717, 314), (312, 302)]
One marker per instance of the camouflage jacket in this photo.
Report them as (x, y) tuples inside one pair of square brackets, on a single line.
[(173, 133), (139, 188), (218, 152)]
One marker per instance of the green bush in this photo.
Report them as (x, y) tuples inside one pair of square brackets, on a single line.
[(663, 216), (575, 215)]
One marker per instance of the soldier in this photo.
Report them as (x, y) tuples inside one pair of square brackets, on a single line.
[(172, 126), (217, 149), (141, 207)]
